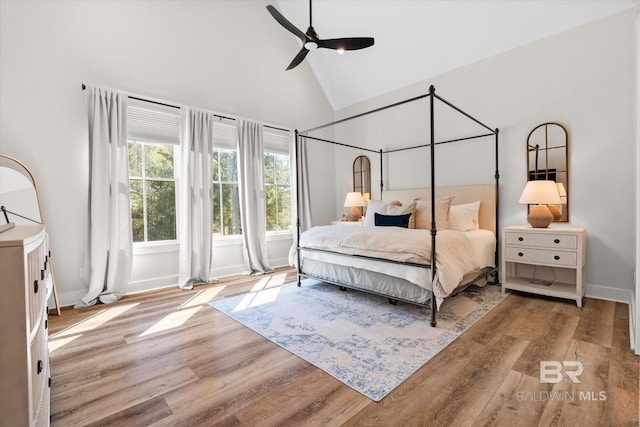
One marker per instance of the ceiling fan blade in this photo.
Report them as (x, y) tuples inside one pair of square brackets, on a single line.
[(298, 59), (347, 43), (285, 23)]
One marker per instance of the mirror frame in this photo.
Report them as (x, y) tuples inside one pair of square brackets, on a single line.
[(553, 144), (362, 175), (362, 178)]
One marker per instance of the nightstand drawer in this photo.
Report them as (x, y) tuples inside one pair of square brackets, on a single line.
[(542, 240), (539, 256)]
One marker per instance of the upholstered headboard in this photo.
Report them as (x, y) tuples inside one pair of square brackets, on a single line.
[(486, 193)]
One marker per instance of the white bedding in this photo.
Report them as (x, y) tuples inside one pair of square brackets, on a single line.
[(458, 253)]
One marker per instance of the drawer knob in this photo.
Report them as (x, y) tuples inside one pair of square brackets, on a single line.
[(50, 381), (41, 274), (520, 254), (556, 241), (40, 366), (520, 239), (35, 286), (556, 257)]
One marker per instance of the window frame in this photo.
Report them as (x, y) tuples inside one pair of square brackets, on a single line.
[(143, 179)]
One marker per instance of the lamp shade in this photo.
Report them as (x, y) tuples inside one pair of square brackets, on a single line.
[(354, 199), (540, 192)]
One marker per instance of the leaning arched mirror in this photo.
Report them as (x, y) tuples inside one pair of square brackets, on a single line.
[(20, 201), (362, 178), (548, 159)]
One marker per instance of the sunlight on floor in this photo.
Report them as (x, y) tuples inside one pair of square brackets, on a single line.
[(69, 334), (184, 312), (203, 297), (173, 320), (266, 290)]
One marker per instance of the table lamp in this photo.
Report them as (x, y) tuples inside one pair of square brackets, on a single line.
[(353, 201), (540, 194)]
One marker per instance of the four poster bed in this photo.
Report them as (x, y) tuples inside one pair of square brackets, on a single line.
[(397, 262)]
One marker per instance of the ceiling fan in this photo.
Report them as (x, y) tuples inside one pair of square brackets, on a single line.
[(311, 41)]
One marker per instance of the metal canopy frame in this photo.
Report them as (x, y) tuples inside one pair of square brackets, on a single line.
[(304, 135)]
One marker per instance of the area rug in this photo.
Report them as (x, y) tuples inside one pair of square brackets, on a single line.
[(358, 338)]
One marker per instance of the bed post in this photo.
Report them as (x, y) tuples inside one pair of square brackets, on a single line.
[(381, 175), (298, 204), (434, 308), (497, 176)]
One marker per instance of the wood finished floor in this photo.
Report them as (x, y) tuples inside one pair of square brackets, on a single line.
[(166, 358)]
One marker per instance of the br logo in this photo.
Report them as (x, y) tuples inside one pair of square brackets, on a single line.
[(551, 371)]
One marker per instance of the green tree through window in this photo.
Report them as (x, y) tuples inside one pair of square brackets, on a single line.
[(278, 191), (152, 191), (226, 200)]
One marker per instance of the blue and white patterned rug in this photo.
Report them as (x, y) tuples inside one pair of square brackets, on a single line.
[(360, 339)]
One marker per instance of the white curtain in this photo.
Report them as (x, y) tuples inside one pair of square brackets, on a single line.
[(110, 248), (195, 199), (252, 196), (301, 200), (300, 164)]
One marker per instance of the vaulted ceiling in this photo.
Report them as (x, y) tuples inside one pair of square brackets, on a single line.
[(419, 39)]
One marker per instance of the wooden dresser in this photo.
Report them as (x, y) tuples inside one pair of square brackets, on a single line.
[(545, 261), (24, 355)]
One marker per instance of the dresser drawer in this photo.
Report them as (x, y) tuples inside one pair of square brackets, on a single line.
[(542, 240), (539, 256)]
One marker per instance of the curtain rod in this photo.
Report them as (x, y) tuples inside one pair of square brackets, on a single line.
[(84, 86)]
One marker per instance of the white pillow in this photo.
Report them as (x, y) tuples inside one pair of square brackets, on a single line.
[(464, 217), (403, 210), (379, 206), (423, 213)]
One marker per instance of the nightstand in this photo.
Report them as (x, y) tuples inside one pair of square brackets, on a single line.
[(545, 261)]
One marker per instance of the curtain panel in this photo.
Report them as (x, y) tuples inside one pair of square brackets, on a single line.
[(194, 194), (109, 253), (252, 196)]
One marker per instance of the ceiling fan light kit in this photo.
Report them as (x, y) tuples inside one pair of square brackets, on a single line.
[(311, 40)]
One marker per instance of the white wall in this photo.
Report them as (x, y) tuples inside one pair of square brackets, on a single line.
[(584, 79), (225, 56)]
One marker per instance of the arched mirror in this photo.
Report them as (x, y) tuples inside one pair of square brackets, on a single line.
[(20, 202), (362, 178), (548, 159)]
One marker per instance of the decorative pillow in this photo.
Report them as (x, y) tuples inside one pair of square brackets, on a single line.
[(464, 217), (423, 213), (404, 209), (376, 206), (392, 220)]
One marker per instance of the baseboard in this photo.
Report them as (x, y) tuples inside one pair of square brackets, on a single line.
[(609, 294)]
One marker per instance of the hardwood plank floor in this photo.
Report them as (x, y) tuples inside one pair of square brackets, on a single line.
[(166, 358)]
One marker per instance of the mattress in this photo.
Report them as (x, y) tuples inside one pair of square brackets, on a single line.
[(414, 282)]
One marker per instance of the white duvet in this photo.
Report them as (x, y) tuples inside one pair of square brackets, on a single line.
[(455, 254)]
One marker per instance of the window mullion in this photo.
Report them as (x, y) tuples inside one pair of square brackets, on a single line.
[(144, 193)]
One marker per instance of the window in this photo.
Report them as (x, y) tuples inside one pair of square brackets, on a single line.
[(278, 191), (226, 200), (226, 204), (153, 132), (152, 190)]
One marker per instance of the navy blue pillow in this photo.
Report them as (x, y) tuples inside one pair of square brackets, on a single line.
[(392, 220)]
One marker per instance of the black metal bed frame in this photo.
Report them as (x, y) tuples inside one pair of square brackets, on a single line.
[(303, 135)]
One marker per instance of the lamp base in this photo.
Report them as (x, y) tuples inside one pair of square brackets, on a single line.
[(354, 214), (555, 212), (540, 216)]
